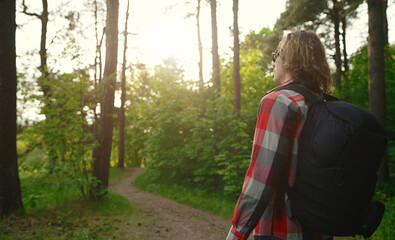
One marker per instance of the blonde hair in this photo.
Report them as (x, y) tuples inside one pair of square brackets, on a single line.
[(304, 57)]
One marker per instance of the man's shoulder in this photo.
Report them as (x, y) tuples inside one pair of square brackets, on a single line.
[(285, 96)]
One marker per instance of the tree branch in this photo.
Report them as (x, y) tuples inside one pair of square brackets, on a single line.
[(29, 13), (53, 39)]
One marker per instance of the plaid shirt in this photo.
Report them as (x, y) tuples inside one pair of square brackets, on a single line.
[(274, 156)]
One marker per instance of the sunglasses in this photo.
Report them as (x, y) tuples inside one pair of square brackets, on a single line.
[(275, 55)]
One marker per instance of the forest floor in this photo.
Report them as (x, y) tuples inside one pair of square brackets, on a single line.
[(163, 218), (151, 217)]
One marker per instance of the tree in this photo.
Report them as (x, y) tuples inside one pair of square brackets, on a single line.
[(201, 82), (299, 12), (42, 81), (97, 64), (214, 36), (334, 14), (339, 14), (236, 61), (102, 153), (376, 44), (121, 146), (200, 45), (10, 191), (43, 17)]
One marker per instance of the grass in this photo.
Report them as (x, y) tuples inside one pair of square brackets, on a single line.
[(72, 219), (216, 203), (54, 210), (116, 173), (39, 191), (386, 193)]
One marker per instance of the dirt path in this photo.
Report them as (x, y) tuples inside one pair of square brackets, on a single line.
[(163, 218)]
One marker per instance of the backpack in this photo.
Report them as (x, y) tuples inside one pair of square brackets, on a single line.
[(340, 150)]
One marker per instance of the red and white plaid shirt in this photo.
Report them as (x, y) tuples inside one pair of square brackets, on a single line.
[(274, 155)]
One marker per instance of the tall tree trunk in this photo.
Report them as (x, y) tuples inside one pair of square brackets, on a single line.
[(338, 61), (98, 70), (216, 69), (121, 146), (236, 61), (346, 80), (43, 17), (376, 44), (43, 43), (96, 76), (345, 55), (102, 153), (10, 191), (201, 82)]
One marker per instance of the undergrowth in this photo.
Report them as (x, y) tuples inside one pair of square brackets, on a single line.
[(54, 210)]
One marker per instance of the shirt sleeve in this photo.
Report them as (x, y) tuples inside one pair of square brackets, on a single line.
[(278, 117)]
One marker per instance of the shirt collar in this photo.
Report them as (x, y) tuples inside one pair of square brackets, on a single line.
[(282, 84), (285, 83)]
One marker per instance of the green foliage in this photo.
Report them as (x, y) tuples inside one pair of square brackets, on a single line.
[(355, 84), (65, 130), (42, 190), (391, 156), (299, 12), (61, 144), (187, 136), (390, 89)]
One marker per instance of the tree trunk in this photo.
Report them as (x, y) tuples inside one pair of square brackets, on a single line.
[(43, 17), (98, 71), (346, 80), (376, 44), (338, 61), (201, 82), (216, 69), (345, 55), (121, 146), (96, 76), (10, 191), (236, 61), (43, 43), (102, 153)]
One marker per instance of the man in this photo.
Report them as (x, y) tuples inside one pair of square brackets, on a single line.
[(300, 57)]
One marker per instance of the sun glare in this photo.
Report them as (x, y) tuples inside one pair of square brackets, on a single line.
[(171, 39)]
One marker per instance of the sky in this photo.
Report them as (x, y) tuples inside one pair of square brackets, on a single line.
[(160, 29), (177, 36)]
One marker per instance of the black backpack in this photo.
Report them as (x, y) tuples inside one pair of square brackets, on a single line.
[(340, 150)]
